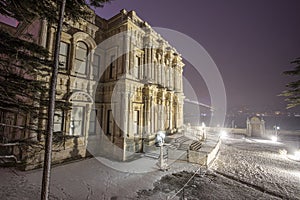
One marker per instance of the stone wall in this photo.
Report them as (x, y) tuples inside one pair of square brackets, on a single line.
[(66, 149)]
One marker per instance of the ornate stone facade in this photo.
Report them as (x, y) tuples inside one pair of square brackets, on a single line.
[(140, 86), (122, 92), (255, 127)]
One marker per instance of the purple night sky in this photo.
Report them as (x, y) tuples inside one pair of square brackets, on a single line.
[(252, 42)]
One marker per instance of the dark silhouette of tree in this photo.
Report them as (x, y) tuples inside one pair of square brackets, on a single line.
[(293, 91), (54, 11)]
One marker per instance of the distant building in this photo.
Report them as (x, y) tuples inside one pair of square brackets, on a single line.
[(124, 98), (256, 127)]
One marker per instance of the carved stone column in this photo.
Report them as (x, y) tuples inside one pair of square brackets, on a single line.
[(162, 106), (170, 111), (143, 67), (43, 33), (50, 39), (163, 69), (126, 51), (130, 115), (148, 62), (152, 66), (175, 76), (131, 57), (87, 124), (159, 70), (180, 80), (146, 100)]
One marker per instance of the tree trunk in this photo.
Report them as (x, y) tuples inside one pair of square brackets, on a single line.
[(51, 108)]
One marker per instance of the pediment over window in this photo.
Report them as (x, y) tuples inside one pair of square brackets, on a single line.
[(80, 96)]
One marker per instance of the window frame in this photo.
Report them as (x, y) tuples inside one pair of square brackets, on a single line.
[(78, 59), (66, 55), (96, 66), (73, 121), (112, 65), (60, 122), (95, 122)]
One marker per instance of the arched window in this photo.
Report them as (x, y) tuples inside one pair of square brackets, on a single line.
[(81, 58)]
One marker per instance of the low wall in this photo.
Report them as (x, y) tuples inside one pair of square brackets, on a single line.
[(283, 132), (194, 132), (243, 131), (228, 130), (207, 153)]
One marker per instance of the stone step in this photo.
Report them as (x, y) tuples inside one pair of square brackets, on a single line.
[(173, 146), (181, 139), (195, 146)]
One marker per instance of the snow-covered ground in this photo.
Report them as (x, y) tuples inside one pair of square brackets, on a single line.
[(258, 164), (245, 169)]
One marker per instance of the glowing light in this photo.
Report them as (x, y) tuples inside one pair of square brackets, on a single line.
[(267, 141), (223, 134), (274, 138), (297, 154), (278, 128), (160, 138)]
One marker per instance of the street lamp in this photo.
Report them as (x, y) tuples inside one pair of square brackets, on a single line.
[(297, 154), (160, 142), (274, 138), (223, 134), (203, 130)]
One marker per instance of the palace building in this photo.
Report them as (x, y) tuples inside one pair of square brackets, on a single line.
[(124, 82)]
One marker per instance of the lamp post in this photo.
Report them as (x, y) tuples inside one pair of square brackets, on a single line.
[(275, 137), (277, 130), (203, 131), (160, 142)]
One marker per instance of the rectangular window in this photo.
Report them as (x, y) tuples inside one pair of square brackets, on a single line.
[(58, 121), (63, 55), (112, 66), (136, 122), (96, 66), (93, 122), (137, 67), (109, 127), (77, 120)]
